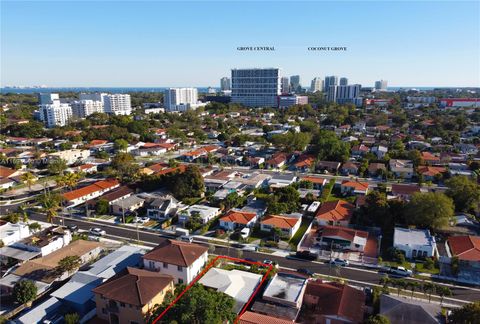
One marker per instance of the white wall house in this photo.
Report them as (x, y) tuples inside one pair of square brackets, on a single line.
[(81, 195), (183, 261), (206, 213), (415, 243), (46, 242), (11, 233)]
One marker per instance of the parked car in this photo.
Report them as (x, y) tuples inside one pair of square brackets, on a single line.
[(250, 259), (339, 262), (400, 271), (305, 271), (304, 255), (186, 238), (73, 228), (250, 248), (268, 262), (97, 231)]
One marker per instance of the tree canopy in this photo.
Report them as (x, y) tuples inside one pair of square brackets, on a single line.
[(429, 210), (330, 147), (24, 291), (468, 314), (464, 192)]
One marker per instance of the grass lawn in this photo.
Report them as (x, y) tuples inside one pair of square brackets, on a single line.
[(406, 264), (301, 231), (420, 268)]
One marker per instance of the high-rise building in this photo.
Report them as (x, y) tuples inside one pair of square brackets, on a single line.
[(84, 108), (118, 104), (256, 87), (295, 85), (180, 99), (93, 96), (343, 81), (285, 85), (47, 98), (225, 84), (331, 93), (349, 94), (330, 81), (381, 85), (55, 114), (317, 85)]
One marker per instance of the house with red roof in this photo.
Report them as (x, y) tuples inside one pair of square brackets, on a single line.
[(404, 191), (181, 260), (349, 187), (341, 238), (429, 173), (430, 159), (256, 318), (337, 212), (277, 161), (318, 182), (467, 249), (288, 225), (81, 195), (237, 219), (332, 302), (304, 162)]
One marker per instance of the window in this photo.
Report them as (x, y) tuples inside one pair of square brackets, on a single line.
[(180, 268), (180, 281), (122, 304), (414, 253), (165, 265), (151, 265)]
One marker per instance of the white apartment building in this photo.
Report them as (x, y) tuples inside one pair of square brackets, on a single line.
[(349, 94), (180, 99), (225, 84), (118, 104), (55, 114), (84, 108), (47, 98), (256, 87), (93, 96), (316, 85)]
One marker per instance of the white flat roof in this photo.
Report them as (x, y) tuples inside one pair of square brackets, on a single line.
[(285, 287), (407, 236)]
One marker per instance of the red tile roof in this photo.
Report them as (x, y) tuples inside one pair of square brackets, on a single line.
[(238, 217), (333, 298), (465, 247), (399, 189), (280, 221), (343, 232), (427, 156), (98, 142), (6, 172), (97, 186), (176, 252), (430, 170), (134, 286), (255, 318), (338, 210), (316, 180), (355, 184), (305, 160)]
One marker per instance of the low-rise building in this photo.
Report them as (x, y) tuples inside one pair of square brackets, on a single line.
[(337, 212), (238, 219), (181, 260), (70, 156), (46, 241), (349, 187), (132, 295), (81, 195), (127, 205), (415, 243), (162, 207), (288, 225), (281, 180), (401, 168), (205, 213), (11, 233)]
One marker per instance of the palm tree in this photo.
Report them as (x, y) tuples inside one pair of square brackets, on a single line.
[(22, 210), (29, 179), (50, 205), (413, 285), (428, 288), (442, 291)]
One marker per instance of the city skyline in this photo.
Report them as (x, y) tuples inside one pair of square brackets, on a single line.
[(414, 44)]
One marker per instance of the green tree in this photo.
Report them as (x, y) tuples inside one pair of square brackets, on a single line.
[(29, 179), (102, 207), (197, 305), (57, 166), (120, 144), (124, 167), (186, 184), (377, 319), (291, 141), (429, 210), (69, 263), (33, 227), (72, 318), (467, 314), (428, 288), (329, 147), (443, 292), (50, 204), (24, 291), (464, 192)]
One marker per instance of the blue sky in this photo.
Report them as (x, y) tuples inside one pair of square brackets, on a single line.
[(158, 43)]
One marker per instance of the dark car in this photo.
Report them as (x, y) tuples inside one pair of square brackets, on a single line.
[(305, 271), (73, 228), (250, 259), (306, 255)]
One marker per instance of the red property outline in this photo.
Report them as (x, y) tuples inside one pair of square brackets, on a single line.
[(211, 264)]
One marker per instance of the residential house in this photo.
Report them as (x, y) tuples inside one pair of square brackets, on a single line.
[(415, 243), (341, 238), (277, 161), (337, 212), (466, 248), (45, 241), (238, 284), (127, 205), (328, 166), (349, 168), (430, 159), (401, 168), (401, 310), (13, 232), (256, 318), (279, 180), (360, 150), (149, 149), (205, 213), (380, 151), (162, 207), (181, 260), (70, 156), (349, 187), (404, 191), (288, 225), (318, 182), (237, 219), (131, 295), (304, 163), (81, 195), (376, 169), (333, 302), (112, 197), (430, 173)]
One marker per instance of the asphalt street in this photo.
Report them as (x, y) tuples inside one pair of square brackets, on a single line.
[(359, 276)]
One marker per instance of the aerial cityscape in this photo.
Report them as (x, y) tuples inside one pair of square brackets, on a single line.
[(215, 168)]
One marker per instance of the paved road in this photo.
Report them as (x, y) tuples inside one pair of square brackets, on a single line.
[(363, 276)]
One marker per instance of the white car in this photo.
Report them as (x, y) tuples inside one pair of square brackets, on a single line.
[(400, 271), (142, 220), (339, 262), (97, 231)]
